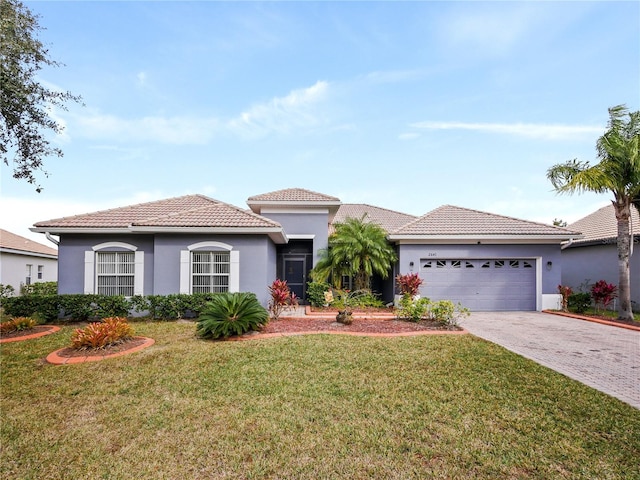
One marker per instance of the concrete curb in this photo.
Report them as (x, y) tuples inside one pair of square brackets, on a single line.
[(52, 329), (591, 319)]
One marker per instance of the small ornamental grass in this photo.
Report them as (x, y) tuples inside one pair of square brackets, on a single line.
[(231, 314), (17, 324), (108, 332)]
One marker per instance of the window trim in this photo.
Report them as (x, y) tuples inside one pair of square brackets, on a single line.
[(185, 264), (90, 274)]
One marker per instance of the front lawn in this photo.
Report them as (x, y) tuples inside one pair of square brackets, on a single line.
[(312, 407)]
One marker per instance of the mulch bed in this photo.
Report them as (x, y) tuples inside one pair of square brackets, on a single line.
[(26, 334), (111, 349), (296, 325)]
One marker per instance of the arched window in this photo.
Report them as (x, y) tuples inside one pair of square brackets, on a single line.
[(209, 267), (114, 268)]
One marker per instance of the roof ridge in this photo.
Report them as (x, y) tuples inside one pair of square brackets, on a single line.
[(292, 189), (508, 217), (382, 208)]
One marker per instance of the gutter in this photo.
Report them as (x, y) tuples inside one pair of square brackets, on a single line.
[(51, 239)]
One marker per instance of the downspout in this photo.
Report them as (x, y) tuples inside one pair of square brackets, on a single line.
[(566, 245), (51, 239)]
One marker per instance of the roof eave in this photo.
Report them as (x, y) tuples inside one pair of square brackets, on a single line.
[(470, 239), (15, 251)]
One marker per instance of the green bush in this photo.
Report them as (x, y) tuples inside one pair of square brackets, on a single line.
[(448, 313), (45, 307), (579, 302), (78, 307), (315, 293), (412, 310), (173, 306), (231, 314), (112, 306), (40, 288)]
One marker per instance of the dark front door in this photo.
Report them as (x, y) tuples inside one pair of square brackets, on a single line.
[(295, 269)]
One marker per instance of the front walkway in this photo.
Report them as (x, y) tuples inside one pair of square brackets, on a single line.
[(604, 357)]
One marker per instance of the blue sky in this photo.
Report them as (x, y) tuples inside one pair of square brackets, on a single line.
[(403, 105)]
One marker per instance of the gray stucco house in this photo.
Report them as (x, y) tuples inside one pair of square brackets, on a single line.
[(594, 257), (197, 244)]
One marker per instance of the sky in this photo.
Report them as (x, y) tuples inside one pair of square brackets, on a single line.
[(402, 105)]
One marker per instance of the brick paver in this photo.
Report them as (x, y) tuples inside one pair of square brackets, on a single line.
[(604, 357)]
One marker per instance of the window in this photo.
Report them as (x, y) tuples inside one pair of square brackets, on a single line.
[(114, 268), (526, 264), (210, 272), (455, 263), (469, 265), (115, 273), (498, 264), (27, 279), (40, 272), (441, 263), (514, 263)]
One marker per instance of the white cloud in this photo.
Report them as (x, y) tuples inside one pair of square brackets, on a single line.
[(282, 114), (296, 111), (141, 78), (530, 130), (408, 136)]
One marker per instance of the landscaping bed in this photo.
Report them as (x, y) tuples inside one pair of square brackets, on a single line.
[(363, 325)]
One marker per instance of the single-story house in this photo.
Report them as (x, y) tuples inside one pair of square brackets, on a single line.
[(594, 257), (23, 261), (197, 244)]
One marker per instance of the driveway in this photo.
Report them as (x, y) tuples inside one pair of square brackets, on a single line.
[(604, 357)]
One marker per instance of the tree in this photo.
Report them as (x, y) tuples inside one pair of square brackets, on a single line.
[(25, 104), (617, 172), (356, 248), (558, 222)]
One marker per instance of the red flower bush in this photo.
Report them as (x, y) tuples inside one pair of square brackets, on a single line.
[(109, 331), (281, 298), (566, 293), (409, 284), (603, 293)]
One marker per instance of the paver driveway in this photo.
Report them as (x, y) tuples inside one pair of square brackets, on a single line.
[(603, 357)]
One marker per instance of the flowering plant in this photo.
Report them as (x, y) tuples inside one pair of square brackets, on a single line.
[(566, 292), (282, 298), (603, 293), (409, 284)]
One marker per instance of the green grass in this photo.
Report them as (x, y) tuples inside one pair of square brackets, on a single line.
[(309, 407)]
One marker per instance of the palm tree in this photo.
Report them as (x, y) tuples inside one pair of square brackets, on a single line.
[(356, 248), (617, 172)]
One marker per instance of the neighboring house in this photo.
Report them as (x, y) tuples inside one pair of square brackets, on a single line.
[(595, 256), (23, 261), (197, 244)]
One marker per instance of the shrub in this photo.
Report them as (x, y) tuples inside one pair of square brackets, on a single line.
[(77, 307), (603, 293), (409, 284), (40, 288), (315, 293), (412, 309), (231, 314), (579, 302), (110, 331), (108, 306), (448, 313), (6, 291), (44, 306), (281, 298), (17, 324), (565, 292)]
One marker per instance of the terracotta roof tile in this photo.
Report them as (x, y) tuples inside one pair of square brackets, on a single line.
[(452, 221), (389, 220), (186, 211), (12, 241), (602, 225), (293, 195)]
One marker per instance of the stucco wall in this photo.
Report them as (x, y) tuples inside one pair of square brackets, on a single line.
[(162, 260), (589, 264), (13, 269), (312, 223)]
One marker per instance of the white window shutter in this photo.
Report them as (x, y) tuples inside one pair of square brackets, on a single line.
[(89, 275), (184, 271), (234, 271), (138, 281)]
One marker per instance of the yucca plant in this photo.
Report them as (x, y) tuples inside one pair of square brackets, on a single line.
[(231, 314)]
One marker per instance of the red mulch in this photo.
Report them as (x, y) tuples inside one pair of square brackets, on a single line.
[(293, 325), (119, 347), (24, 333)]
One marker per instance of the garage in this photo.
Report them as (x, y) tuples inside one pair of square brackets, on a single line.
[(481, 284)]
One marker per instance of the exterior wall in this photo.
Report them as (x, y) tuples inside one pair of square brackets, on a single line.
[(588, 264), (71, 251), (257, 261), (548, 280), (162, 260), (13, 269), (311, 223)]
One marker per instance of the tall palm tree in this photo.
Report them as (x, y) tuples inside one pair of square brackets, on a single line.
[(356, 248), (617, 172)]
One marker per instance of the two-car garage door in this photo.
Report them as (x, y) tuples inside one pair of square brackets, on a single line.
[(481, 285)]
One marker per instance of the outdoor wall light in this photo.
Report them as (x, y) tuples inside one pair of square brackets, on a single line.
[(549, 265), (411, 266)]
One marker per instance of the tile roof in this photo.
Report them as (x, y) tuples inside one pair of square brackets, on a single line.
[(11, 241), (451, 221), (389, 220), (602, 225), (293, 195), (186, 211)]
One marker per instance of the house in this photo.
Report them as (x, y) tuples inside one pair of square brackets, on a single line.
[(595, 256), (23, 261), (197, 244)]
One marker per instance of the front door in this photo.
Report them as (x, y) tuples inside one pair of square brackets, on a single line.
[(295, 274)]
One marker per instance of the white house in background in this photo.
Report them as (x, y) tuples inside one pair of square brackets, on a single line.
[(23, 261)]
